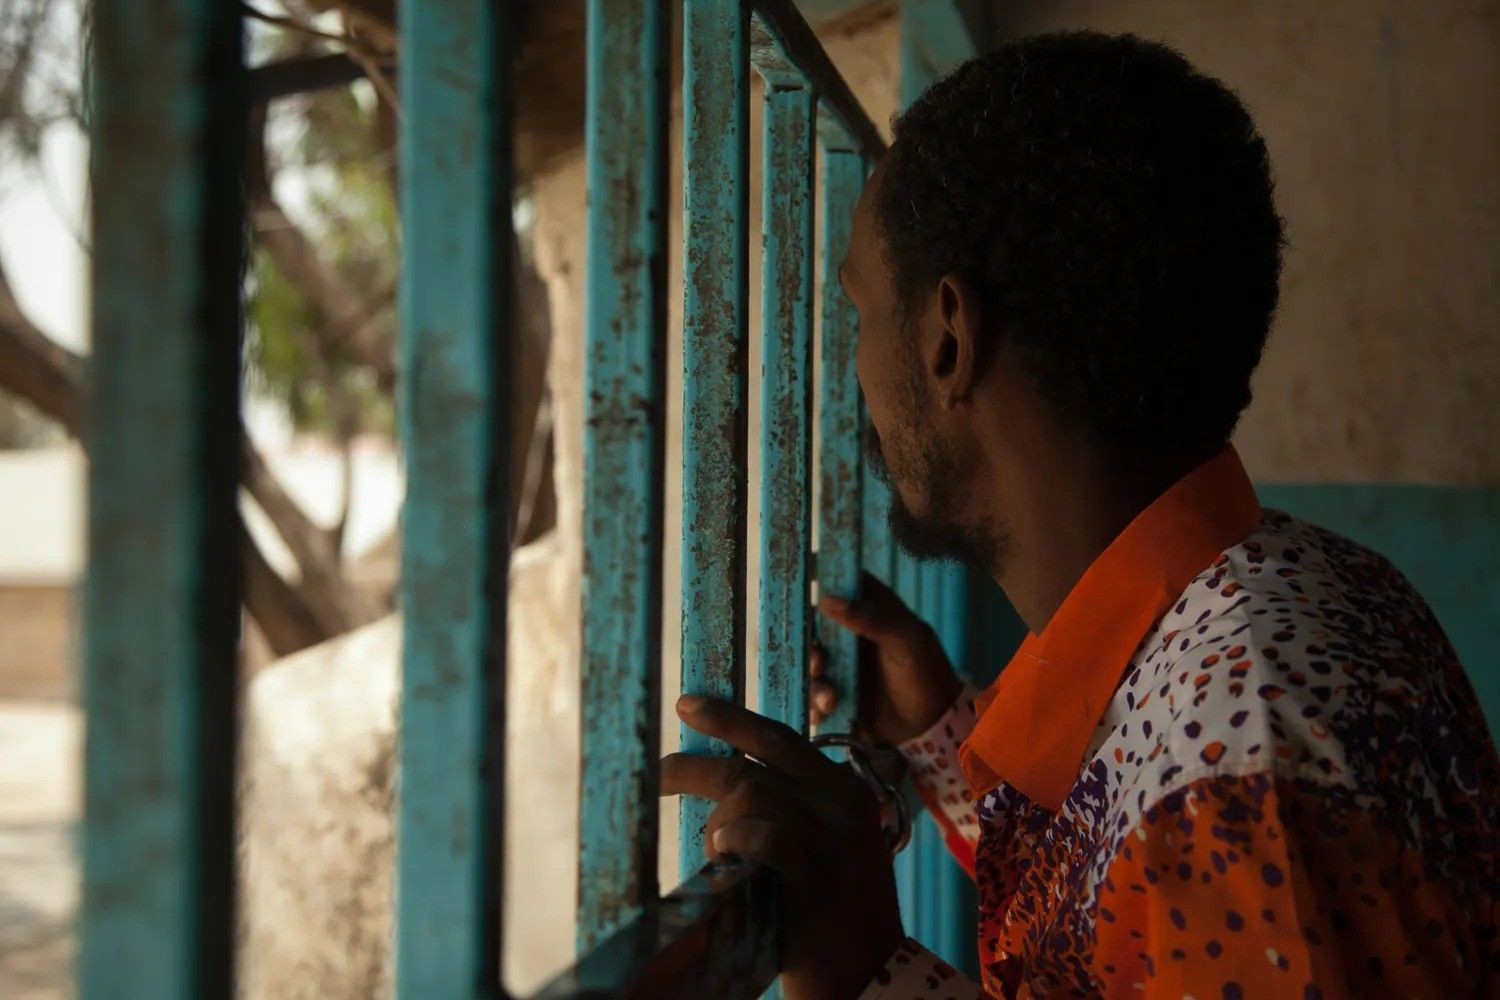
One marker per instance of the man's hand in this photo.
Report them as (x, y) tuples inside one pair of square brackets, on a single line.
[(813, 821), (905, 680)]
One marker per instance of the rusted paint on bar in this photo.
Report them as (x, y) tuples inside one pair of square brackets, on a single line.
[(715, 936), (716, 113), (838, 564), (455, 319), (786, 353), (161, 591), (786, 52), (623, 436)]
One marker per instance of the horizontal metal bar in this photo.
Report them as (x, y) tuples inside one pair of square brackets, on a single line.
[(785, 50), (715, 342), (455, 319), (161, 596), (714, 936), (624, 411)]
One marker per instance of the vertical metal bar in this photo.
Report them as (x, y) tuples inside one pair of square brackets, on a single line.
[(910, 863), (623, 441), (953, 930), (877, 550), (455, 318), (839, 413), (786, 339), (716, 115), (161, 593)]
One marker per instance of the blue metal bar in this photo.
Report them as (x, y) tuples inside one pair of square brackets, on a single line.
[(623, 435), (786, 52), (936, 35), (161, 592), (911, 864), (716, 67), (839, 415), (786, 352), (455, 321)]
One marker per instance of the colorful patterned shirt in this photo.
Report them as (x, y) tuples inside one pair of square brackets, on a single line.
[(1241, 760)]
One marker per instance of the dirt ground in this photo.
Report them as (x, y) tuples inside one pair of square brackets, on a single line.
[(40, 758)]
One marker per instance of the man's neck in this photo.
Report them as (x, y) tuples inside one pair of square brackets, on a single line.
[(1070, 505)]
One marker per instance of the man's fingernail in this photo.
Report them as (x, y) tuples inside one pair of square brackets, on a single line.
[(690, 703), (718, 839)]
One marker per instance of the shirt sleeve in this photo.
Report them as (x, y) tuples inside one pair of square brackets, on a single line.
[(933, 760), (914, 973), (1252, 885)]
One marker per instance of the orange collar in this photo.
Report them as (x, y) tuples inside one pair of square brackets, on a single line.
[(1036, 720)]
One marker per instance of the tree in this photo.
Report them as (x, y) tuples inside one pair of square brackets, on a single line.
[(320, 284)]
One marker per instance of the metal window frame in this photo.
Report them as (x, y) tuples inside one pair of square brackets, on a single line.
[(157, 841)]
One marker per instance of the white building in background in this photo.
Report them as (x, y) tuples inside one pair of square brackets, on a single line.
[(43, 545)]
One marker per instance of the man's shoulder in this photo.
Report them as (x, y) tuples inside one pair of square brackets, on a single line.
[(1299, 653)]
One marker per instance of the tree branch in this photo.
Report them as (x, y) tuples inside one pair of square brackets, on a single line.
[(36, 367), (344, 312), (303, 74), (51, 377), (277, 607)]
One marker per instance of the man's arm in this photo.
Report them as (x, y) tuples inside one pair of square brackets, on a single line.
[(933, 759), (1259, 885)]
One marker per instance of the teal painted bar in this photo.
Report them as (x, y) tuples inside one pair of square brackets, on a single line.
[(716, 129), (161, 592), (454, 330), (1445, 539), (877, 550), (935, 37), (839, 423), (786, 419), (625, 317)]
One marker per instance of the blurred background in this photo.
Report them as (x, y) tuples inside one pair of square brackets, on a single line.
[(1375, 413)]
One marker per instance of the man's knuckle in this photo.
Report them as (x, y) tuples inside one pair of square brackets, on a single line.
[(737, 775)]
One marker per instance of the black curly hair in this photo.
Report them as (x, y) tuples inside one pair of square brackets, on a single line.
[(1114, 207)]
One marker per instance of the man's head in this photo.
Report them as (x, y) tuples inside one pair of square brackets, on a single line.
[(1074, 238)]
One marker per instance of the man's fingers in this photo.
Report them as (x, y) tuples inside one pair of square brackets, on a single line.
[(766, 740), (822, 696), (878, 614), (857, 616), (764, 840), (706, 777), (822, 699)]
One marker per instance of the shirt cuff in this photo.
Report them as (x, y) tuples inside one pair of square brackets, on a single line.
[(933, 761), (914, 973)]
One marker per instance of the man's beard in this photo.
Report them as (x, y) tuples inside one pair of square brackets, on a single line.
[(925, 460)]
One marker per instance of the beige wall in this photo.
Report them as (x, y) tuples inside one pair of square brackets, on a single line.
[(1383, 119), (37, 641)]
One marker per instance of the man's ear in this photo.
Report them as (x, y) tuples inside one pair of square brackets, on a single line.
[(952, 346)]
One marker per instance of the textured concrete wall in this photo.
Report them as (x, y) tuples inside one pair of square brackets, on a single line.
[(1383, 120)]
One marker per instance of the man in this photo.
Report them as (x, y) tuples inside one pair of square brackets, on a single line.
[(1236, 756)]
